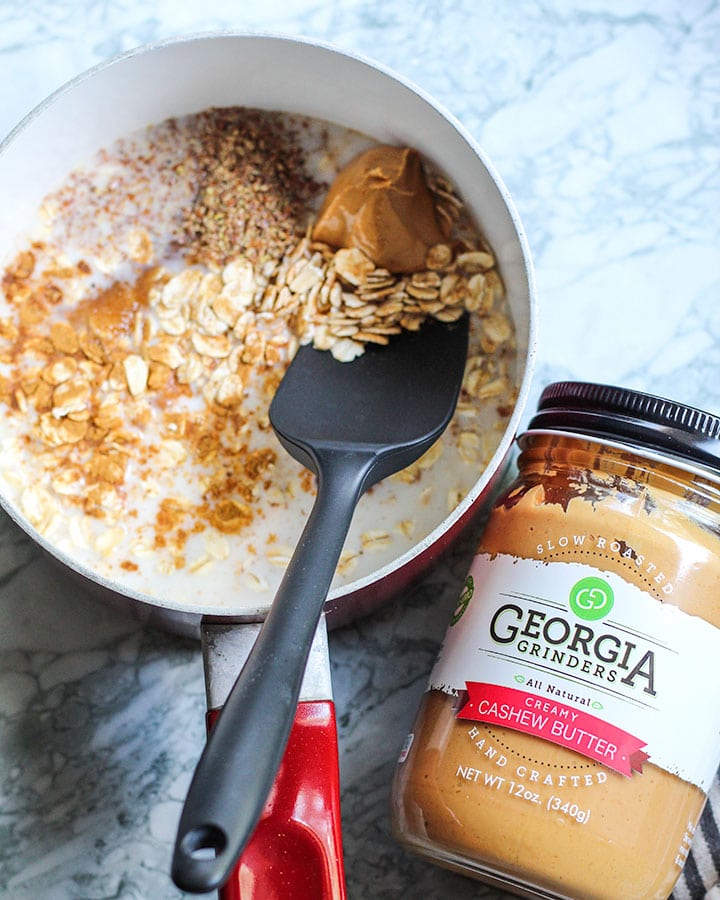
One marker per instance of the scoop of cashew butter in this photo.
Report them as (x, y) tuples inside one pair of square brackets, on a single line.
[(381, 204), (569, 733)]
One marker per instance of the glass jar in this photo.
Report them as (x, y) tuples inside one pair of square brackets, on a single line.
[(571, 726)]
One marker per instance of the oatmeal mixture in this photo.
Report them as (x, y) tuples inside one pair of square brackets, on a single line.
[(149, 319)]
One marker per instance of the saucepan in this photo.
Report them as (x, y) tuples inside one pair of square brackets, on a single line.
[(169, 81)]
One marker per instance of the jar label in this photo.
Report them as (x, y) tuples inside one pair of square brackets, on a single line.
[(581, 658)]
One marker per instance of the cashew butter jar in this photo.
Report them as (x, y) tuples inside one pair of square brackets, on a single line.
[(570, 731)]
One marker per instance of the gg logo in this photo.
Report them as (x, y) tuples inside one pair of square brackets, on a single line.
[(591, 598)]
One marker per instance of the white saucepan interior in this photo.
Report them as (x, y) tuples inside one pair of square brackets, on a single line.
[(188, 75)]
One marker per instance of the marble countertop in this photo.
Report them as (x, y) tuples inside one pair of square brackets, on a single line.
[(601, 116)]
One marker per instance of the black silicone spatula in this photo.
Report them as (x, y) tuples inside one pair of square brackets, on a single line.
[(352, 424)]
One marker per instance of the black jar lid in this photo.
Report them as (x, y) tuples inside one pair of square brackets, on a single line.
[(630, 417)]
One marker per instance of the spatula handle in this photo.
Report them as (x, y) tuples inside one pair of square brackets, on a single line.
[(240, 761)]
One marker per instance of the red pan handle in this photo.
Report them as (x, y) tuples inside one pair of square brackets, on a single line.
[(295, 852)]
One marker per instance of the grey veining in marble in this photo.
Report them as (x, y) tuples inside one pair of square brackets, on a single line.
[(602, 118)]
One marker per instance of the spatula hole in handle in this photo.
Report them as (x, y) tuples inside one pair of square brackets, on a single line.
[(197, 864), (204, 842)]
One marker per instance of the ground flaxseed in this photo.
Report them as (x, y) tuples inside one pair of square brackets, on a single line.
[(253, 191)]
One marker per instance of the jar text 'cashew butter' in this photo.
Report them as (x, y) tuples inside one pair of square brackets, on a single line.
[(571, 726)]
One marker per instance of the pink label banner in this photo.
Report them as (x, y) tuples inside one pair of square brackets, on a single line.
[(559, 723)]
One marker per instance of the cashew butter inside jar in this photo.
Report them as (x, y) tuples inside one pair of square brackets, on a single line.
[(571, 727)]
